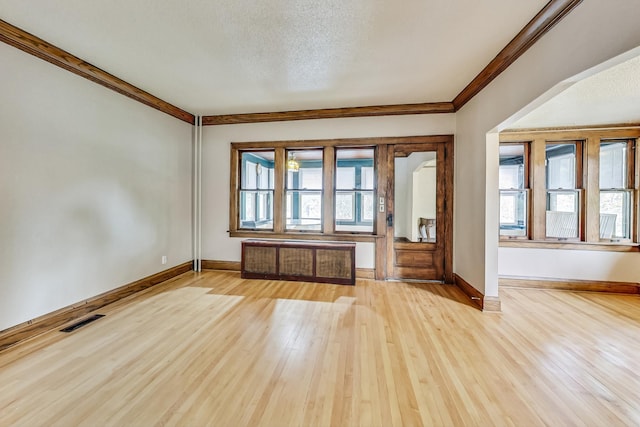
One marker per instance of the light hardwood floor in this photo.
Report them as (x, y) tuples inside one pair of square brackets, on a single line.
[(213, 349)]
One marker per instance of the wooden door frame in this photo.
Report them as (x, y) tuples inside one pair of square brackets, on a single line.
[(384, 246)]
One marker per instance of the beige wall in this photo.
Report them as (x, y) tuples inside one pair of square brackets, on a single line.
[(216, 244), (94, 189), (594, 32)]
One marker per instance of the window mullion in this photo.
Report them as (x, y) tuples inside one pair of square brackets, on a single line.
[(328, 189), (278, 190), (539, 198), (592, 190)]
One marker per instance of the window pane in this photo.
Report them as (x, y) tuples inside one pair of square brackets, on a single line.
[(304, 210), (511, 172), (304, 172), (613, 165), (354, 171), (256, 209), (257, 170), (367, 207), (346, 178), (561, 166), (366, 178), (345, 206), (513, 213), (562, 214), (615, 215), (310, 178)]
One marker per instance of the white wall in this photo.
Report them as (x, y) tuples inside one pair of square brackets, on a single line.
[(594, 32), (94, 189), (216, 244)]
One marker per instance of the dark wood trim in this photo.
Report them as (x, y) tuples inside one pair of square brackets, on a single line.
[(549, 16), (208, 264), (582, 246), (569, 285), (331, 113), (341, 142), (488, 304), (35, 46), (302, 235), (609, 126), (14, 335)]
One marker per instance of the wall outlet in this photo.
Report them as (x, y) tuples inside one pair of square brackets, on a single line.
[(164, 259)]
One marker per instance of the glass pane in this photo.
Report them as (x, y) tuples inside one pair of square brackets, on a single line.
[(304, 172), (367, 178), (415, 206), (562, 214), (346, 178), (615, 215), (345, 206), (354, 171), (561, 166), (304, 210), (511, 172), (257, 170), (613, 165), (256, 209), (367, 207), (513, 213)]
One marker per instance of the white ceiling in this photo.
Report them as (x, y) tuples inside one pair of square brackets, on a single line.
[(241, 56), (609, 97)]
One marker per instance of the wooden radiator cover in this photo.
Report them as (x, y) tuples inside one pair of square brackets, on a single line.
[(310, 261)]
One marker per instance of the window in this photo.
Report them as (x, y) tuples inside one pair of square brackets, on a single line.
[(563, 195), (514, 194), (616, 194), (304, 190), (575, 187), (354, 190), (256, 190)]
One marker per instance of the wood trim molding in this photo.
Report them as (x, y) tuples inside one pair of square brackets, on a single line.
[(331, 113), (208, 264), (569, 285), (365, 273), (549, 16), (478, 299), (14, 335), (581, 246), (35, 46)]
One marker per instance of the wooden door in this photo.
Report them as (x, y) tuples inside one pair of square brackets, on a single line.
[(419, 235)]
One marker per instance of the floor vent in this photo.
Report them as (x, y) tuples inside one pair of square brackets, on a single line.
[(81, 323)]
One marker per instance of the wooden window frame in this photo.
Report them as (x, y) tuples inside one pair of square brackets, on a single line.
[(373, 191), (587, 179), (527, 171), (380, 146)]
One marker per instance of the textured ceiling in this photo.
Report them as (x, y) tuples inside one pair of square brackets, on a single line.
[(608, 97), (240, 56)]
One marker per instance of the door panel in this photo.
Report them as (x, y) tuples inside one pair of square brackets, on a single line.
[(419, 232)]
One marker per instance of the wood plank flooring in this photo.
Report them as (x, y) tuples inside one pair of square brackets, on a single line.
[(213, 349)]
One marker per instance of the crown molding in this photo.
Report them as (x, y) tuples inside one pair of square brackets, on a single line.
[(549, 16), (35, 46), (331, 113)]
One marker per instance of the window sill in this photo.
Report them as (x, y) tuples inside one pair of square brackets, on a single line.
[(584, 246), (306, 236)]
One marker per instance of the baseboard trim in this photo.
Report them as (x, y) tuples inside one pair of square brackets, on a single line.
[(365, 273), (15, 334), (478, 299), (209, 264), (569, 285)]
